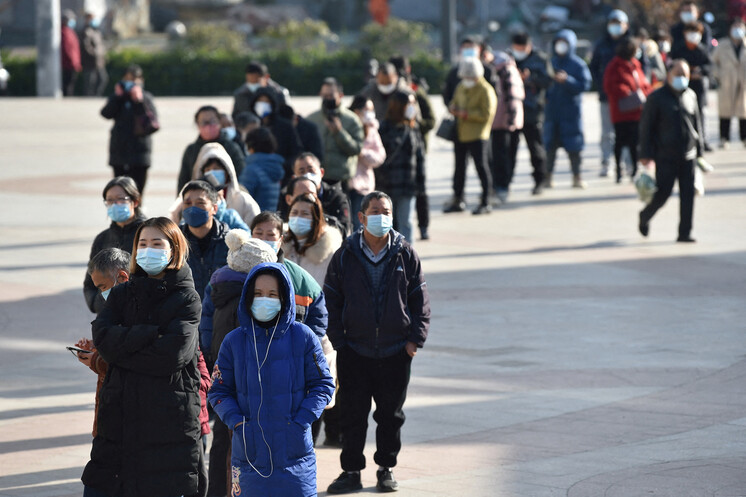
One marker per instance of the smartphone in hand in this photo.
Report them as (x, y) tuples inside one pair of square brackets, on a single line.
[(76, 350)]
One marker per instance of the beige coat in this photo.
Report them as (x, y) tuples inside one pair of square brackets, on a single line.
[(731, 74), (236, 197), (318, 256)]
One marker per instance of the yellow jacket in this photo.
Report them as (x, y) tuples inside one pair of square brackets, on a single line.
[(480, 104)]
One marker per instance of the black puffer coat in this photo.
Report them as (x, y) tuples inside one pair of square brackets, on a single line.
[(124, 147), (148, 419)]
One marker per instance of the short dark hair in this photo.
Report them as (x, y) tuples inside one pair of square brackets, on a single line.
[(398, 102), (358, 102), (374, 195), (130, 188), (387, 68), (245, 118), (256, 67), (261, 140), (134, 70), (330, 81), (206, 108), (697, 26), (520, 39), (267, 216), (291, 184), (468, 39), (286, 111), (110, 261), (201, 185), (307, 155), (401, 63)]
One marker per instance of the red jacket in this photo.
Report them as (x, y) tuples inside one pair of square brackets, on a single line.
[(70, 50), (619, 82)]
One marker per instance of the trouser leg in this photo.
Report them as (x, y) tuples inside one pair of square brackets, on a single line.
[(664, 179), (607, 133), (459, 172), (221, 443), (535, 143), (423, 211), (390, 392), (724, 129), (575, 161), (686, 198), (618, 145), (503, 166), (478, 150), (354, 401), (742, 129)]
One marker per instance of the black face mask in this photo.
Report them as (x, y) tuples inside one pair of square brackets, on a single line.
[(329, 103)]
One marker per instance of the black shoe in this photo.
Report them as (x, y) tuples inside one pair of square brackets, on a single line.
[(644, 227), (454, 206), (708, 148), (538, 189), (686, 239), (386, 481), (345, 483), (424, 235), (482, 209)]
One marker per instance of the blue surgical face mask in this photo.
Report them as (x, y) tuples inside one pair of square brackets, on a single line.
[(379, 225), (105, 293), (71, 23), (680, 83), (218, 174), (195, 217), (687, 17), (275, 244), (119, 213), (230, 132), (253, 86), (301, 226), (615, 30), (153, 260), (468, 52), (265, 308), (95, 23)]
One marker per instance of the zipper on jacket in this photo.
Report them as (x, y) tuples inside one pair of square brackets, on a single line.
[(316, 361)]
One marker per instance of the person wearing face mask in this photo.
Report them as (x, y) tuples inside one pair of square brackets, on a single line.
[(246, 122), (468, 49), (623, 78), (309, 241), (122, 201), (698, 58), (270, 382), (214, 162), (671, 141), (129, 154), (204, 233), (402, 174), (70, 53), (729, 68), (93, 58), (341, 133), (689, 16), (564, 115), (264, 169), (228, 127), (257, 76), (379, 315), (307, 132), (147, 334), (474, 105), (663, 39), (372, 155), (307, 183), (386, 83), (207, 119), (656, 65)]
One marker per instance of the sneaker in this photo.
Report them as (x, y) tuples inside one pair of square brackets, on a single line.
[(454, 206), (579, 183), (686, 239), (538, 189), (482, 209), (724, 144), (348, 481), (386, 481), (708, 147), (424, 235), (604, 170)]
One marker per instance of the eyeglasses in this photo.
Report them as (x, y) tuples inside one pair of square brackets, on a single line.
[(118, 201)]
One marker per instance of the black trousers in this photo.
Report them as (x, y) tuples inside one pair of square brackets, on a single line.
[(422, 203), (69, 78), (533, 133), (501, 161), (627, 135), (667, 172), (360, 380), (480, 155), (725, 129), (220, 454), (138, 173)]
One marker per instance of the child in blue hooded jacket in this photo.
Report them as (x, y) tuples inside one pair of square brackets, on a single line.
[(270, 382), (264, 169)]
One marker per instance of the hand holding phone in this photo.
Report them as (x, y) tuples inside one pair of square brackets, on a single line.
[(76, 350)]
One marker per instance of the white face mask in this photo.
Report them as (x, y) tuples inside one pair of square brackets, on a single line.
[(369, 116), (386, 89), (410, 112), (693, 37), (687, 17), (664, 46), (520, 55), (561, 47), (468, 83), (261, 109), (737, 33)]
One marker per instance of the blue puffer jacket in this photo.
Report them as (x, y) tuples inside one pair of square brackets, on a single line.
[(261, 178), (564, 101), (270, 409)]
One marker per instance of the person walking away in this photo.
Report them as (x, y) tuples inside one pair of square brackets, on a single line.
[(147, 334), (93, 58), (698, 58), (402, 174), (129, 153), (508, 120), (624, 79), (270, 383), (379, 315), (671, 138), (537, 74), (70, 53), (729, 69), (122, 202), (473, 105), (564, 114), (372, 154), (264, 169)]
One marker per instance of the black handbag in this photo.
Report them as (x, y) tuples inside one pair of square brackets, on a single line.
[(448, 129), (635, 100)]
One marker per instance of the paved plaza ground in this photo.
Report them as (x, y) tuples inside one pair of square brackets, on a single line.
[(567, 355)]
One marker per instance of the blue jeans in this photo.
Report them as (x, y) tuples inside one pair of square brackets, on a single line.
[(403, 206)]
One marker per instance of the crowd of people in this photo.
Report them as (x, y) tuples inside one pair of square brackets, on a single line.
[(286, 266)]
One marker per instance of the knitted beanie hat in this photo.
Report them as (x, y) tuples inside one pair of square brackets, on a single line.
[(245, 252)]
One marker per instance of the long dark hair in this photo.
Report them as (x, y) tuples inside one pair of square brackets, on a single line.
[(317, 224), (130, 188)]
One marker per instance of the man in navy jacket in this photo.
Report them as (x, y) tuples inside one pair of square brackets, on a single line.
[(379, 315)]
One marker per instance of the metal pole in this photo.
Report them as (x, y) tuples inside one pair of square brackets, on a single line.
[(48, 39), (448, 26)]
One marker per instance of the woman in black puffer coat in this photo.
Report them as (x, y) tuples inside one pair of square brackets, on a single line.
[(148, 441)]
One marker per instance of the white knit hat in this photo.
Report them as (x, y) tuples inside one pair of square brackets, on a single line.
[(245, 252)]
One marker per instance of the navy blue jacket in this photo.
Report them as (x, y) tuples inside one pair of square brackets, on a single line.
[(564, 101), (535, 85), (215, 257), (270, 407), (355, 318)]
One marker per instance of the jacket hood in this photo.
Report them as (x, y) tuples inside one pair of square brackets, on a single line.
[(502, 59), (271, 164), (215, 150), (227, 285), (287, 313), (570, 37), (267, 92)]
